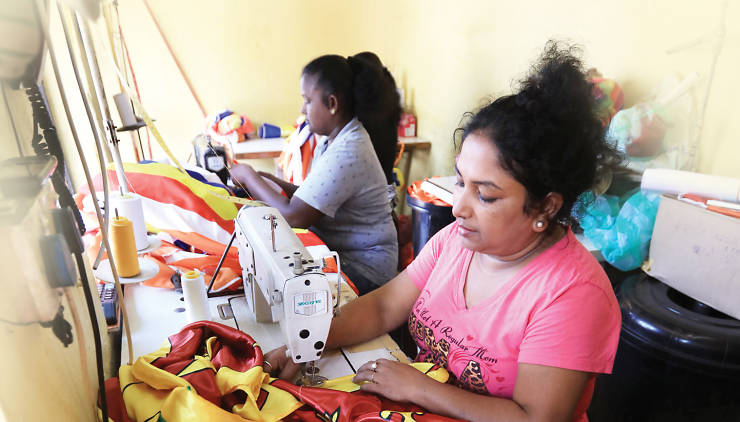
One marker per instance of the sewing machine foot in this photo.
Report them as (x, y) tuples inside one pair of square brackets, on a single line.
[(310, 376)]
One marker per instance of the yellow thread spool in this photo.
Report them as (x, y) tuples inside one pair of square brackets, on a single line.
[(124, 247)]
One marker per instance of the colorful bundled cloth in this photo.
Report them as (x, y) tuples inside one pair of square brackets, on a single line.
[(609, 98), (227, 127), (209, 371), (297, 155)]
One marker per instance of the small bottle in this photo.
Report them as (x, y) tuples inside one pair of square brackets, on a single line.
[(195, 296)]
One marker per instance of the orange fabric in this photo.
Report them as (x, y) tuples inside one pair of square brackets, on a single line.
[(308, 238), (307, 156), (203, 243), (162, 279), (726, 211), (415, 191)]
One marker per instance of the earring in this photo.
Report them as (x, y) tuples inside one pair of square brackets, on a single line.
[(332, 111), (539, 224)]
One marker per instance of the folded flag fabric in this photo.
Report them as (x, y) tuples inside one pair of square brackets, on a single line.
[(209, 371)]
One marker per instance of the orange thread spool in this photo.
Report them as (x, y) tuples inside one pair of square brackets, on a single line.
[(123, 244)]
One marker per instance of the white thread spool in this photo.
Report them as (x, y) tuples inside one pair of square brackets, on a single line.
[(125, 109), (194, 294), (129, 205)]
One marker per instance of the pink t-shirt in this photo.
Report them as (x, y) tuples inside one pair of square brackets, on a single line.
[(559, 310)]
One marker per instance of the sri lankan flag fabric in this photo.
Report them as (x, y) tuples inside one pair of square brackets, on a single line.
[(211, 372)]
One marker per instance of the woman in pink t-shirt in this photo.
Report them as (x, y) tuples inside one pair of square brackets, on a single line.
[(505, 298)]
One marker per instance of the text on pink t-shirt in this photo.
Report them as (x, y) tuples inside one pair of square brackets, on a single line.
[(559, 310)]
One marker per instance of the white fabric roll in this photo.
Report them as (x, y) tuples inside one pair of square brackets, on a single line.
[(129, 205), (196, 299), (678, 182)]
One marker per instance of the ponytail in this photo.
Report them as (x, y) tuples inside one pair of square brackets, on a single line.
[(365, 89)]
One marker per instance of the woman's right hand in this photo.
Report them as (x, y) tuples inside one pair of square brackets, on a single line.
[(279, 365)]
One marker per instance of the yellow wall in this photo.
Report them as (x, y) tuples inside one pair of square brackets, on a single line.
[(448, 56)]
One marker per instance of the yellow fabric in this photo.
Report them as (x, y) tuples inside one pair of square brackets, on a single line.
[(151, 394), (148, 391), (212, 195), (345, 383)]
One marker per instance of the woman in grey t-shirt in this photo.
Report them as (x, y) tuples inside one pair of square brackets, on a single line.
[(344, 197)]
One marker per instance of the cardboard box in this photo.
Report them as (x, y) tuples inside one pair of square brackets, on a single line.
[(697, 252)]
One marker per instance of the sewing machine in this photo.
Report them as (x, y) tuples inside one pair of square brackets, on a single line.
[(283, 283)]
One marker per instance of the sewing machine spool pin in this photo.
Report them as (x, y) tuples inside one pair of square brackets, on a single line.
[(297, 263), (273, 225)]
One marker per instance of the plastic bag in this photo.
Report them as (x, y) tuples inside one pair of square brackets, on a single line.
[(621, 233), (661, 131)]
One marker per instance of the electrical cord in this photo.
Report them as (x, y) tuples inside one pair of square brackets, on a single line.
[(41, 11), (69, 293), (48, 145), (87, 289), (86, 170)]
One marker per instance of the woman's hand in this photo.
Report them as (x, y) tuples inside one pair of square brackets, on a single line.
[(393, 380), (243, 173), (279, 365)]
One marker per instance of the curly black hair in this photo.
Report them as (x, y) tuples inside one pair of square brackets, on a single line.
[(547, 134), (367, 90)]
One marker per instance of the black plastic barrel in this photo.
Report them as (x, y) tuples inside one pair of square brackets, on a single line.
[(678, 359), (426, 219)]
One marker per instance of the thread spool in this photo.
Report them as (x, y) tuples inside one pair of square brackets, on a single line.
[(124, 246), (129, 205), (125, 110), (195, 296)]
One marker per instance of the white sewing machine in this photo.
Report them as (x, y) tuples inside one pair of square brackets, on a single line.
[(283, 283)]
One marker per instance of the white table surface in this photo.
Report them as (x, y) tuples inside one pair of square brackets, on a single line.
[(156, 313)]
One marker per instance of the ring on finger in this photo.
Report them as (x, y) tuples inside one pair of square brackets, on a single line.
[(374, 366), (372, 378), (264, 362)]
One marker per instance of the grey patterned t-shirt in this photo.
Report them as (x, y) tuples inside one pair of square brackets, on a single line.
[(346, 183)]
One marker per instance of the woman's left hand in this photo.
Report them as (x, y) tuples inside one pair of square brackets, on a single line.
[(243, 173), (393, 380)]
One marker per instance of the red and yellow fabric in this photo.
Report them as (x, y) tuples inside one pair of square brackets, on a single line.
[(209, 371), (176, 201)]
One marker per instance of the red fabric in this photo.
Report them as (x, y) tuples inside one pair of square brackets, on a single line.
[(233, 348), (238, 351), (322, 404), (405, 245), (114, 397)]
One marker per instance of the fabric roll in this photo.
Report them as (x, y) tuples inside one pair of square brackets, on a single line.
[(678, 182)]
